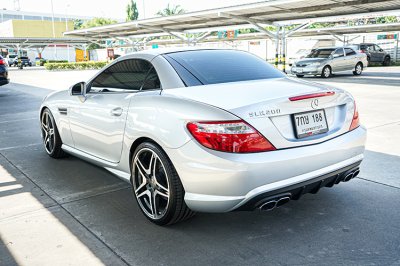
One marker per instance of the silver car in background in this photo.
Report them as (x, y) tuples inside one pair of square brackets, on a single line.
[(328, 61)]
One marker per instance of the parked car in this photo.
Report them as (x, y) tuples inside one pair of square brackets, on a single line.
[(3, 71), (375, 54), (206, 130), (328, 61), (25, 61), (10, 59)]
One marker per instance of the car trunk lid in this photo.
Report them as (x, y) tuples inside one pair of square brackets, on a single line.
[(270, 107)]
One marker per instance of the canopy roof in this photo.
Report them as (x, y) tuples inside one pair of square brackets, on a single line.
[(260, 13), (40, 42)]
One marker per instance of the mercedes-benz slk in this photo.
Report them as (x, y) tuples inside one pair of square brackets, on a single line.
[(206, 130)]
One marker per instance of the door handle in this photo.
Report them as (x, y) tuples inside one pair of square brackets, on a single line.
[(116, 111)]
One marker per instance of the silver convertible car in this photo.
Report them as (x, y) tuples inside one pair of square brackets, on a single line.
[(206, 130), (328, 61)]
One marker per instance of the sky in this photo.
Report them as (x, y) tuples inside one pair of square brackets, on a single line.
[(115, 9)]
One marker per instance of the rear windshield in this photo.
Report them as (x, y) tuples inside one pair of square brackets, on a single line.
[(320, 53), (12, 56), (24, 57), (220, 66)]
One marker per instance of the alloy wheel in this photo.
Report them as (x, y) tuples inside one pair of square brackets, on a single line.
[(327, 72), (48, 132), (150, 183), (358, 69)]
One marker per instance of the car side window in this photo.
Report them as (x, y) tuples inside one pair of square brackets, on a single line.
[(338, 53), (377, 48), (371, 47), (127, 75), (152, 81), (349, 51)]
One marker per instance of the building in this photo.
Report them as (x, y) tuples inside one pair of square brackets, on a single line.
[(6, 15), (38, 25)]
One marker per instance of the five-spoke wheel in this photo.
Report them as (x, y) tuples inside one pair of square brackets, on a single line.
[(151, 183), (51, 139), (157, 187)]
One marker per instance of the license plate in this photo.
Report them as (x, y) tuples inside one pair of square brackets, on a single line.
[(310, 123)]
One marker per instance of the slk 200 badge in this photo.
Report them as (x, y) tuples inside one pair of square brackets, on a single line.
[(263, 113)]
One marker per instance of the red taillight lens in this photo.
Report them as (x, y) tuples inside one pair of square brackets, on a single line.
[(356, 118), (229, 136), (2, 62)]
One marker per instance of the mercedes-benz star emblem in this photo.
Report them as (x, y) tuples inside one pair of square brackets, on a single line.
[(314, 104)]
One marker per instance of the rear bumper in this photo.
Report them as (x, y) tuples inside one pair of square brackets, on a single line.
[(222, 182)]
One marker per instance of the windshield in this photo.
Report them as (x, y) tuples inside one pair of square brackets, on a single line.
[(220, 66), (12, 56), (320, 53)]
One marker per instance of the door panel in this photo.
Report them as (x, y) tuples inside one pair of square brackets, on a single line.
[(338, 62), (379, 53), (98, 124), (98, 119), (350, 59)]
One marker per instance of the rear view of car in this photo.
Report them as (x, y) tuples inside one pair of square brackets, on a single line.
[(207, 130), (25, 61), (3, 72)]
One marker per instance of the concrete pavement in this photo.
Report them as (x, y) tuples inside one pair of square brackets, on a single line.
[(68, 212)]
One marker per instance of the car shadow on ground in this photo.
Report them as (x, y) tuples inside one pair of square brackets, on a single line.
[(321, 228)]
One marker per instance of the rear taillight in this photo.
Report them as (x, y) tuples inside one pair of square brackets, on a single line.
[(311, 95), (361, 51), (2, 62), (229, 136), (356, 118)]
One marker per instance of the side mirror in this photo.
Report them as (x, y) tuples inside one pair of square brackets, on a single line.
[(380, 50), (78, 89)]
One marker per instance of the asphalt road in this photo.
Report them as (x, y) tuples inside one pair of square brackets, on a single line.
[(69, 212)]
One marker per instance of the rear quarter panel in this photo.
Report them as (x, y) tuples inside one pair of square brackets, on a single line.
[(163, 119)]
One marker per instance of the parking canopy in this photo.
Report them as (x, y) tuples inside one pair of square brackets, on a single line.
[(255, 14), (7, 42)]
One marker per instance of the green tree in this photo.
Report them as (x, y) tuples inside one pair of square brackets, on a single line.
[(96, 22), (171, 10), (78, 24), (387, 19), (132, 12)]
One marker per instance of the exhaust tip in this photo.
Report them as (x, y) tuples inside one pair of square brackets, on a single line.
[(348, 177), (356, 172), (282, 201), (268, 206)]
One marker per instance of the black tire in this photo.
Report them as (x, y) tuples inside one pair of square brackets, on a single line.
[(51, 138), (386, 61), (299, 76), (147, 184), (358, 69), (326, 72)]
